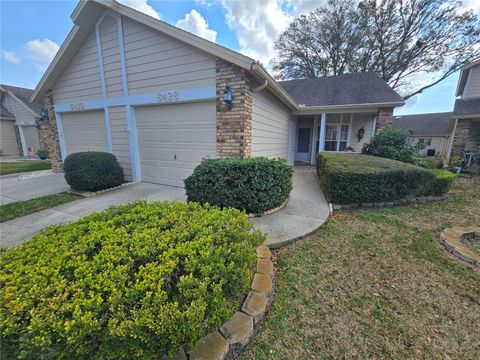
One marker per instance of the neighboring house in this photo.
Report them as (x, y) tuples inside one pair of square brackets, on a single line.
[(158, 98), (466, 112), (433, 130), (19, 135)]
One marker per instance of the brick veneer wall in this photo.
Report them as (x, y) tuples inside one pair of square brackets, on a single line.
[(234, 127), (460, 137), (384, 117), (48, 134)]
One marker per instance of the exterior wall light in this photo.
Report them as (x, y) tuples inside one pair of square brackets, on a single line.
[(228, 97), (44, 113)]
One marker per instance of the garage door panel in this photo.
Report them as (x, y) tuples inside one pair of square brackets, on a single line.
[(8, 138), (85, 131), (173, 139)]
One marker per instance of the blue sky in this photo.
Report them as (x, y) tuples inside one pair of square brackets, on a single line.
[(32, 31)]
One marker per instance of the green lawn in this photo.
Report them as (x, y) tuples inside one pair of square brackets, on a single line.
[(375, 284), (21, 208), (23, 166)]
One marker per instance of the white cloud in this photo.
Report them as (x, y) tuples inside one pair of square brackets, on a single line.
[(10, 56), (42, 51), (304, 6), (195, 23), (472, 4), (142, 6), (258, 24)]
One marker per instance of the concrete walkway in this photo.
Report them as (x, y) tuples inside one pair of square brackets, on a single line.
[(306, 210), (12, 188)]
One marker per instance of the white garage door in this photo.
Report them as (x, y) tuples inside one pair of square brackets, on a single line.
[(173, 139), (8, 138), (85, 131)]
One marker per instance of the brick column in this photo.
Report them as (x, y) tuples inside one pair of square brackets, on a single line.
[(48, 134), (384, 117), (460, 137), (234, 127)]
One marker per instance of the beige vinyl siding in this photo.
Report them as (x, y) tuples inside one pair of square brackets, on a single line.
[(111, 57), (270, 126), (81, 79), (7, 103), (473, 84), (16, 108), (85, 131), (157, 62), (439, 143), (120, 148), (30, 134), (8, 139)]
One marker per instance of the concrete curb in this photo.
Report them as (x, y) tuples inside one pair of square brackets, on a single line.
[(453, 241), (91, 193)]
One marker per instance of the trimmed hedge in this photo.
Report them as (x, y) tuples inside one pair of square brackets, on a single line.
[(441, 184), (92, 171), (252, 184), (135, 281), (360, 178)]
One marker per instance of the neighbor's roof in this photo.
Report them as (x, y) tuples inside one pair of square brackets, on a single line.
[(5, 114), (23, 95), (462, 79), (467, 107), (433, 124), (349, 89)]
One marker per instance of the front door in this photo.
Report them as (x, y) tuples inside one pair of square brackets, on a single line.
[(304, 148)]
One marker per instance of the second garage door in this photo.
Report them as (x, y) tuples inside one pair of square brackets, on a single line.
[(173, 139), (85, 131)]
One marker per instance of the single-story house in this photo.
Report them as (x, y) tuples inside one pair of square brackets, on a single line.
[(161, 99), (466, 112), (433, 130), (19, 135)]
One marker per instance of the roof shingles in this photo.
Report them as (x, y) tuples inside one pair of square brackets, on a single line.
[(433, 124), (348, 89), (466, 107), (24, 95)]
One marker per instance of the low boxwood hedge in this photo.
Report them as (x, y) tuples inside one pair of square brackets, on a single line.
[(441, 184), (350, 178), (92, 171), (133, 282), (253, 184)]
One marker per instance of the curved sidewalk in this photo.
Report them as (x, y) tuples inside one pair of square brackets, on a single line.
[(307, 209)]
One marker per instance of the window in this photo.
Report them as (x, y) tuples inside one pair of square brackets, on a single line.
[(336, 137), (425, 141)]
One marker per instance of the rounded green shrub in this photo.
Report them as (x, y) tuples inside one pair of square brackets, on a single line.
[(253, 184), (441, 184), (136, 281), (92, 171), (350, 178)]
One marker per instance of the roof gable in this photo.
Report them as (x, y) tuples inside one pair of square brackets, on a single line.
[(22, 95), (462, 79)]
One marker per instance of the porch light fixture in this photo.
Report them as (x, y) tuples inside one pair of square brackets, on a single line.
[(228, 97), (44, 113)]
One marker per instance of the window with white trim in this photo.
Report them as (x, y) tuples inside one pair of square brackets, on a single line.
[(425, 141), (336, 137)]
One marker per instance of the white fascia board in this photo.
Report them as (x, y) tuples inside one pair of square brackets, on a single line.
[(347, 107)]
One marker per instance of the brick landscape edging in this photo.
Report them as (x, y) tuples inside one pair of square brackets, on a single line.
[(385, 204), (230, 340), (450, 239)]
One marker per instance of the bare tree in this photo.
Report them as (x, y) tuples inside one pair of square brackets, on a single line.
[(397, 39)]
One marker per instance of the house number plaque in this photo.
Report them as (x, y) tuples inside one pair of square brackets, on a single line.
[(77, 106), (168, 96)]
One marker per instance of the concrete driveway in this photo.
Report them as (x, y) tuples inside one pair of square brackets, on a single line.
[(306, 210), (13, 188)]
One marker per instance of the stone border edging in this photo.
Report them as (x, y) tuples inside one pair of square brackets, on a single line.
[(230, 340), (450, 239), (268, 212), (411, 200), (94, 193)]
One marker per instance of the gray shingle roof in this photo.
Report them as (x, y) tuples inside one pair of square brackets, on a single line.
[(434, 124), (466, 107), (355, 89), (4, 113), (24, 95)]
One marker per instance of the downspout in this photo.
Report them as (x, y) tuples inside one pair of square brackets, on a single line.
[(452, 139), (261, 87)]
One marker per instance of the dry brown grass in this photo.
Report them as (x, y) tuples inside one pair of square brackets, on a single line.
[(375, 284)]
